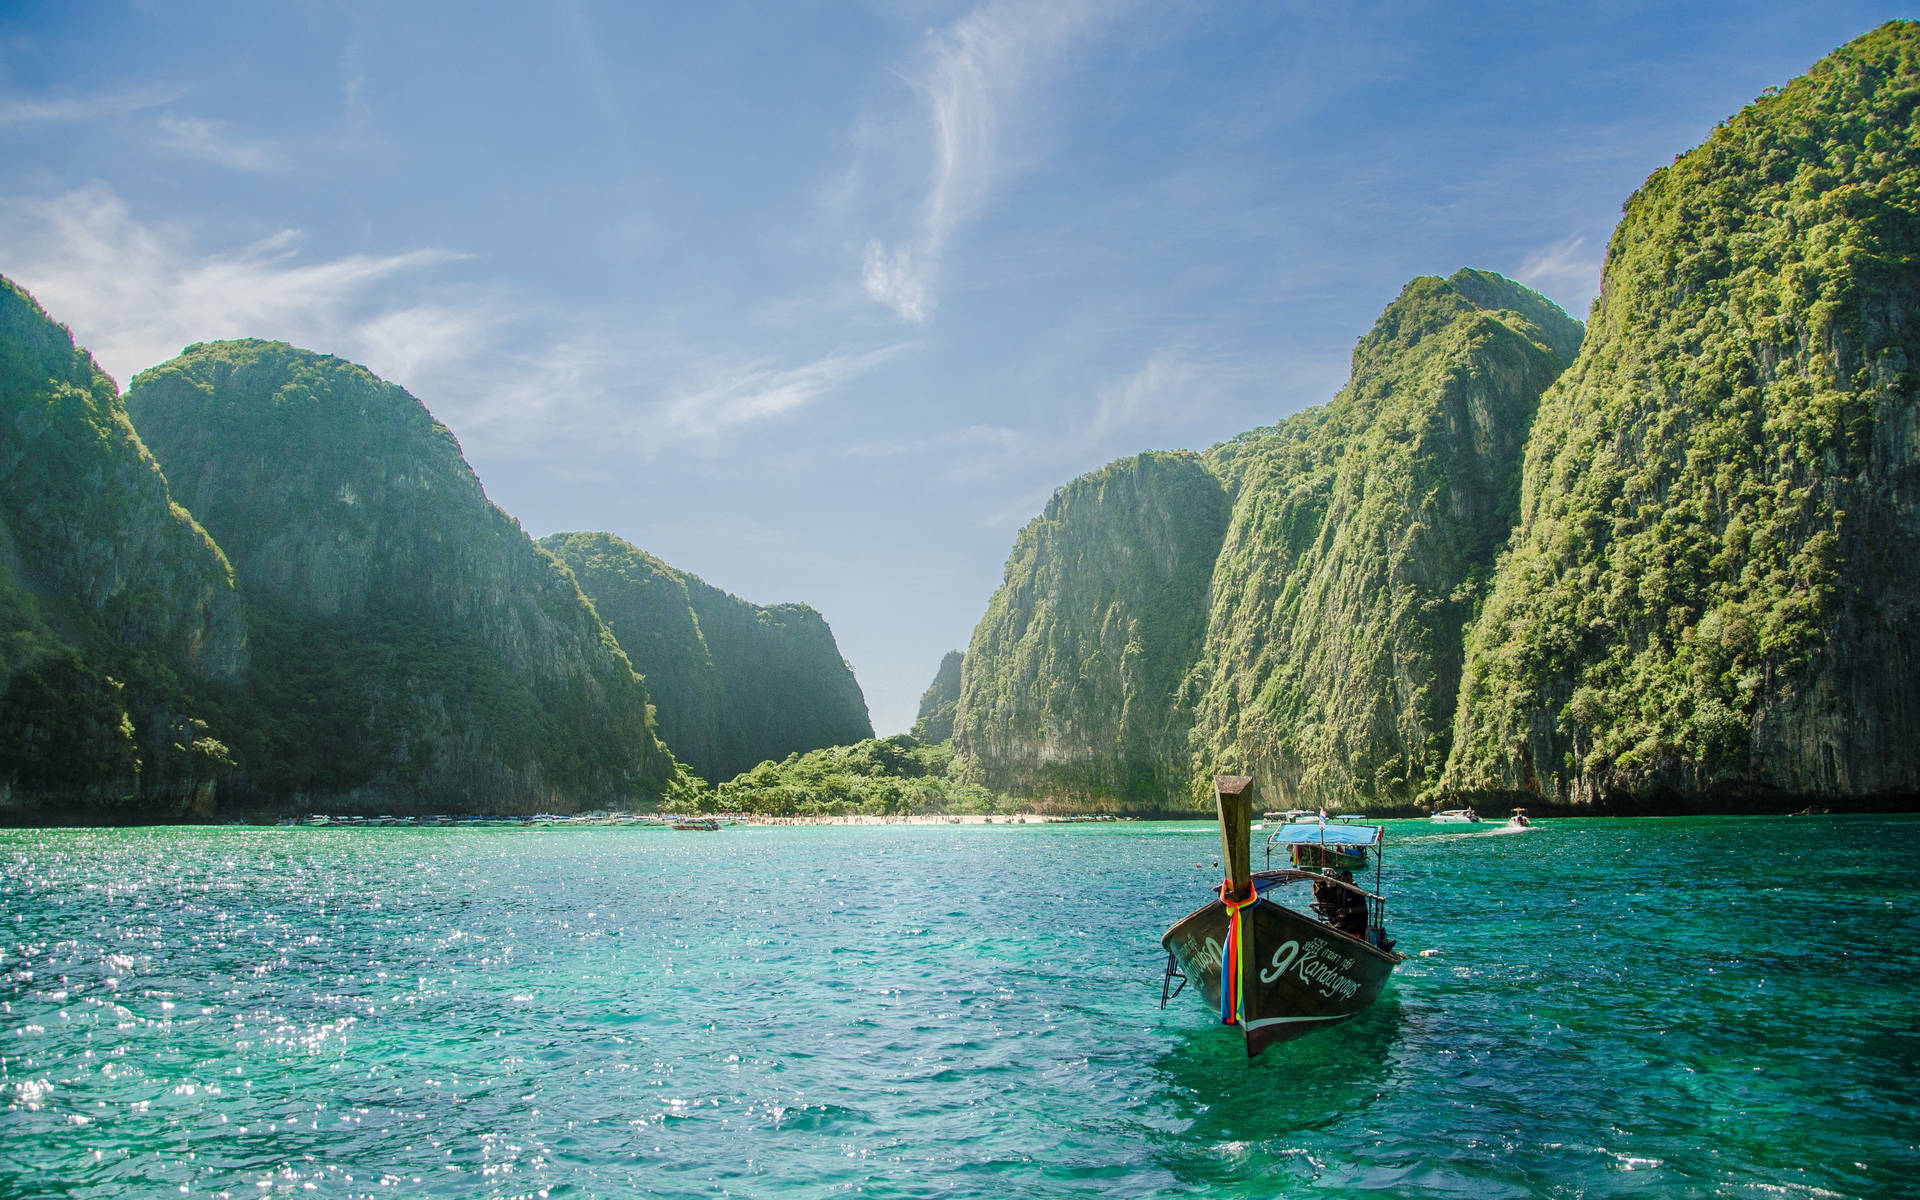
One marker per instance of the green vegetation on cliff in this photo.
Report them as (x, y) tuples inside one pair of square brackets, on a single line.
[(735, 683), (412, 647), (940, 702), (1291, 603), (1361, 540), (118, 614), (1687, 569), (1713, 586), (1068, 689)]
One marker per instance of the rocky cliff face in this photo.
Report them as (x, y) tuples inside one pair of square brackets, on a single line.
[(1361, 539), (1710, 588), (940, 702), (1069, 688), (736, 683), (1713, 585), (117, 612), (412, 648), (1290, 604)]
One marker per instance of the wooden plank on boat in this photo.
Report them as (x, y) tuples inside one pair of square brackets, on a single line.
[(1235, 796)]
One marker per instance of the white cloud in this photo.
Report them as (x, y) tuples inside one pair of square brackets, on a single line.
[(974, 75), (894, 279), (71, 109), (411, 344), (578, 36), (738, 393), (1566, 271), (135, 293), (1167, 382), (210, 142), (516, 381)]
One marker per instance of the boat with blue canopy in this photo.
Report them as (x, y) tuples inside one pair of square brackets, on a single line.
[(1326, 847), (1281, 952)]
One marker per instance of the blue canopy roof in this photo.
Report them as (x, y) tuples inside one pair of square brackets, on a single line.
[(1325, 835)]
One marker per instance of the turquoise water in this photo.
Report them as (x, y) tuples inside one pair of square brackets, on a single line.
[(1670, 1008)]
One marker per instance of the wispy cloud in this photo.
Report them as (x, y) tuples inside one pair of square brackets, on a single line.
[(16, 110), (579, 39), (1567, 271), (973, 76), (135, 293), (738, 393), (1167, 381), (516, 380), (209, 141)]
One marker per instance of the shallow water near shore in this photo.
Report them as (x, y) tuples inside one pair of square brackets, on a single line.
[(1652, 1007)]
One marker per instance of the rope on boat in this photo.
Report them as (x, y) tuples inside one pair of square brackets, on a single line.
[(1232, 1003)]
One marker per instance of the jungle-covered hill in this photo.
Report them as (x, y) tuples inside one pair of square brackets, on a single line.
[(119, 618), (1682, 572), (736, 684), (1713, 585), (412, 648), (1292, 601), (269, 581)]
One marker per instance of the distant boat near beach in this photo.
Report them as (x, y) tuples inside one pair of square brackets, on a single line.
[(1456, 816), (1292, 816)]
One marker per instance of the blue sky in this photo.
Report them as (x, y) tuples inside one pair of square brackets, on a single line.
[(821, 301)]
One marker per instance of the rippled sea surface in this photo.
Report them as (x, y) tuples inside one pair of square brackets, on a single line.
[(1670, 1008)]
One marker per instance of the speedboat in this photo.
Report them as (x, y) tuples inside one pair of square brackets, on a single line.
[(1456, 816), (1292, 816)]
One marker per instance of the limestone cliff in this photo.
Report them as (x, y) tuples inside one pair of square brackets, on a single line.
[(1713, 586), (1361, 539), (1068, 689), (736, 684), (117, 612), (941, 701), (1289, 604), (413, 649)]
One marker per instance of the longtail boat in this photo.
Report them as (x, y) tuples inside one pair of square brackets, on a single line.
[(1273, 970)]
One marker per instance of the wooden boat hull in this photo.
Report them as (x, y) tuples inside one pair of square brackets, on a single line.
[(1300, 975)]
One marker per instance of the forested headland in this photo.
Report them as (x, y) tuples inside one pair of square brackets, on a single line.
[(1665, 562)]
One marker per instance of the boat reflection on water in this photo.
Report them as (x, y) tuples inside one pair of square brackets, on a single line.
[(1327, 1079), (1286, 1119), (1275, 970)]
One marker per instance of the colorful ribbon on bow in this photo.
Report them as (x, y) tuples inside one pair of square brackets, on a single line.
[(1232, 1003)]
